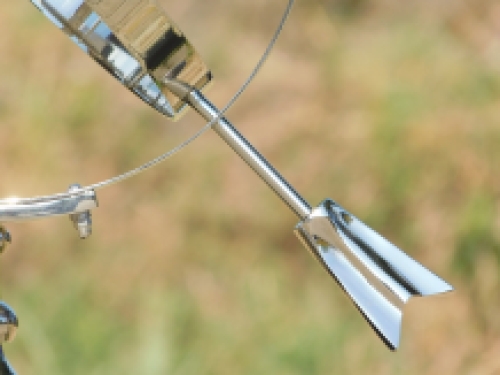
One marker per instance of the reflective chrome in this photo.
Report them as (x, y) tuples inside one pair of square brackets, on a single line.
[(27, 209), (241, 146), (136, 42), (8, 323), (5, 239), (378, 276)]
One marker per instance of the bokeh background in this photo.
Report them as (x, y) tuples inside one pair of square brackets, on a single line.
[(390, 108)]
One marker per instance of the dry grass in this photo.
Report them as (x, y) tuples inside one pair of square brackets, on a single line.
[(390, 109)]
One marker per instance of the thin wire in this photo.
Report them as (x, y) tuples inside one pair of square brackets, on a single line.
[(209, 125), (187, 142)]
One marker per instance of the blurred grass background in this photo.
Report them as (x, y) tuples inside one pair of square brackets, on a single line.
[(391, 109)]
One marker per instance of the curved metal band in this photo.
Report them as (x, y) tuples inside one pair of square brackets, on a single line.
[(36, 208), (76, 201), (69, 202)]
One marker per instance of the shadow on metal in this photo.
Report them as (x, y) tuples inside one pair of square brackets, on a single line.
[(375, 274), (138, 44), (5, 367)]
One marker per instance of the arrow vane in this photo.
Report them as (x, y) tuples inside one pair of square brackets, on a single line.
[(138, 44), (377, 275)]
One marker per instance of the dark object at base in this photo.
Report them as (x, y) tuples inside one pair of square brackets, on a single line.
[(5, 368)]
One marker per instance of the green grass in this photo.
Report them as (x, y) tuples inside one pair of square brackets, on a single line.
[(193, 267)]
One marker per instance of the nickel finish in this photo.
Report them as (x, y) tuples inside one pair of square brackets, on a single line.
[(138, 44), (377, 276), (76, 202)]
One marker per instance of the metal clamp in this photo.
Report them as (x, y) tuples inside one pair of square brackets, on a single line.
[(136, 42), (76, 202), (138, 45)]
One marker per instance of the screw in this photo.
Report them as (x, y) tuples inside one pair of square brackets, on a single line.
[(81, 221)]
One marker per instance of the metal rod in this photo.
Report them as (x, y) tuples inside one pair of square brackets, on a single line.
[(28, 209), (249, 154)]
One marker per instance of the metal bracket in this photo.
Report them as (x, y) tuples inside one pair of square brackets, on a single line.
[(76, 202)]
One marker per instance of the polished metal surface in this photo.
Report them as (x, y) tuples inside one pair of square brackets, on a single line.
[(374, 273), (377, 275), (139, 45), (27, 209), (242, 147), (136, 42), (5, 367), (252, 157), (5, 239)]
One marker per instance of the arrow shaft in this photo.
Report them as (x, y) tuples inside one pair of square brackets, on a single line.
[(249, 154)]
